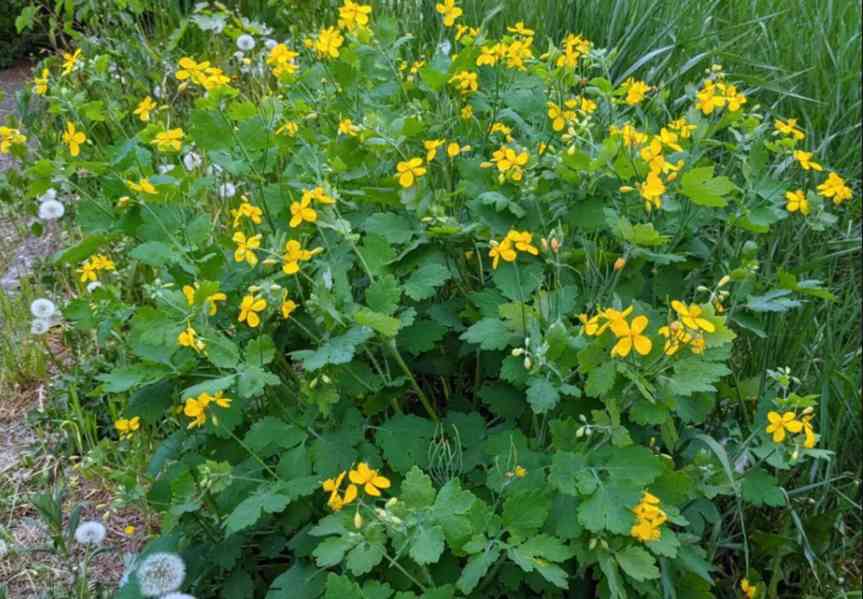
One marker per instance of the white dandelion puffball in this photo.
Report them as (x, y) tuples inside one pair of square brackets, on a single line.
[(157, 92), (270, 43), (90, 533), (161, 573), (43, 308), (40, 326), (177, 596), (4, 548), (51, 210), (246, 42), (51, 194), (445, 47), (227, 190), (192, 161)]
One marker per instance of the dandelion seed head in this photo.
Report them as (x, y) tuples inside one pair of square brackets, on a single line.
[(161, 573), (177, 596), (227, 190), (4, 548), (51, 194), (245, 42), (43, 308), (51, 210), (90, 533), (40, 326)]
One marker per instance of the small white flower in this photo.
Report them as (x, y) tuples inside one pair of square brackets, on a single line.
[(239, 55), (245, 42), (90, 533), (93, 286), (227, 190), (51, 210), (40, 326), (192, 161), (51, 194), (166, 168), (157, 92), (4, 548), (270, 43), (214, 169), (177, 596), (444, 47), (161, 573), (43, 308)]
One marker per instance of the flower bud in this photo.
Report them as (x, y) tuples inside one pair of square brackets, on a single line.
[(527, 363), (619, 264), (358, 520), (544, 243), (555, 245), (724, 281), (517, 352)]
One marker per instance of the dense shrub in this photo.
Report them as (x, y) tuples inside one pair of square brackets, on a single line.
[(459, 323)]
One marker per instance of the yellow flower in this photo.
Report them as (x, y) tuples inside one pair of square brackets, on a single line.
[(808, 431), (210, 301), (10, 137), (453, 149), (294, 254), (189, 338), (788, 128), (797, 202), (318, 195), (332, 485), (247, 210), (90, 268), (126, 427), (73, 138), (288, 307), (517, 52), (691, 316), (635, 91), (142, 186), (245, 251), (466, 112), (191, 70), (347, 127), (70, 61), (649, 519), (683, 127), (40, 87), (707, 98), (749, 589), (302, 212), (490, 54), (835, 187), (519, 472), (145, 107), (508, 162), (408, 171), (503, 250), (196, 408), (289, 128), (431, 146), (169, 141), (735, 99), (353, 16), (129, 530), (520, 29), (631, 136), (282, 60), (450, 12), (806, 162), (557, 116), (369, 479), (465, 81), (651, 190), (779, 423), (249, 308), (523, 241), (328, 43), (629, 336)]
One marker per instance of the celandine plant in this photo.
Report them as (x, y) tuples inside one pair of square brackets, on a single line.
[(434, 325)]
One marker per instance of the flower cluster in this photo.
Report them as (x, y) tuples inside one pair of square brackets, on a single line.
[(687, 329), (200, 73), (10, 137), (787, 422), (90, 268), (649, 519), (510, 163), (508, 248), (196, 407), (126, 427), (363, 476), (715, 94), (282, 60)]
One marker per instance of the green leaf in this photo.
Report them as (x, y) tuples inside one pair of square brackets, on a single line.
[(772, 301), (338, 350), (609, 508), (393, 227), (700, 186), (251, 509), (542, 395), (260, 351), (364, 557), (518, 282), (761, 488), (600, 380), (210, 130), (253, 379), (694, 374), (384, 294), (331, 551), (404, 441), (154, 253), (477, 567), (637, 563), (489, 334), (422, 283), (269, 434), (525, 512), (421, 336), (570, 475), (428, 545), (383, 324), (417, 489), (301, 581), (124, 378)]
